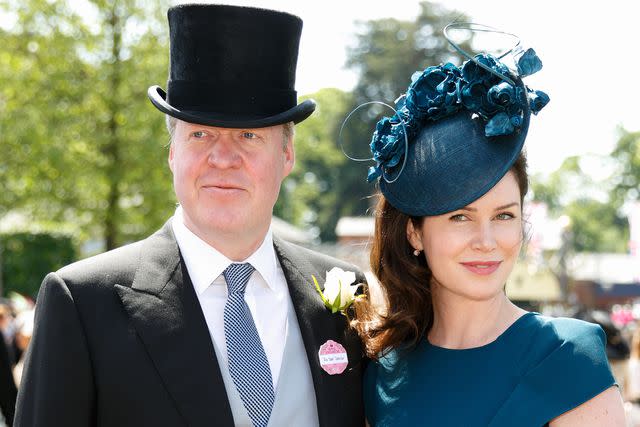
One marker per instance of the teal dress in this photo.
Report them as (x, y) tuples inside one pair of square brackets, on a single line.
[(538, 369)]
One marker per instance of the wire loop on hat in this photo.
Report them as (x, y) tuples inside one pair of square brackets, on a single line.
[(471, 26), (406, 140)]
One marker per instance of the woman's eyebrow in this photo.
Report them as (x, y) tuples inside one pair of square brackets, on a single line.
[(499, 208)]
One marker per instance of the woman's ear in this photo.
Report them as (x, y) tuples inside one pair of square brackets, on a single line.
[(414, 236)]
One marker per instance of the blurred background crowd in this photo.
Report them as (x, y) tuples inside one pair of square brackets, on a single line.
[(16, 327)]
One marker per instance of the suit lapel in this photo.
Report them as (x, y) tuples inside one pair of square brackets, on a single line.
[(165, 311), (317, 325)]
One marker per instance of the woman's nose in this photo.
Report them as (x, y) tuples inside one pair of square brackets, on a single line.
[(484, 238)]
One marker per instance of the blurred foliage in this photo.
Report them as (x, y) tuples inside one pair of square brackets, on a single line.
[(552, 188), (386, 53), (597, 224), (627, 155), (83, 145), (307, 197), (26, 257)]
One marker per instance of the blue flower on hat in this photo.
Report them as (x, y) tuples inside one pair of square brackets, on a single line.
[(472, 72), (422, 91), (440, 91), (528, 63), (502, 94), (434, 93), (537, 100), (387, 145), (471, 95), (500, 124)]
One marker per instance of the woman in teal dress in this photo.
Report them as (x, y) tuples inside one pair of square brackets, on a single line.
[(449, 348)]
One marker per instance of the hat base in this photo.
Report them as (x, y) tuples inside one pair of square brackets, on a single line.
[(300, 112), (451, 163)]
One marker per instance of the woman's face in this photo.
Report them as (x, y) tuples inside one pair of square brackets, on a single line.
[(471, 251)]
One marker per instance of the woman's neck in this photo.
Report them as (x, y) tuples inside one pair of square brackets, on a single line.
[(460, 322)]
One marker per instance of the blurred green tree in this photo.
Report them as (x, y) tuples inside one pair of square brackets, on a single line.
[(597, 224), (627, 177), (308, 198), (552, 189), (26, 257), (83, 144), (385, 55)]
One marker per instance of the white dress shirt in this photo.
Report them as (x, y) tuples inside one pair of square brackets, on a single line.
[(266, 293)]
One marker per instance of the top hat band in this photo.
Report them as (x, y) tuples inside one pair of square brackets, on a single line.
[(211, 97)]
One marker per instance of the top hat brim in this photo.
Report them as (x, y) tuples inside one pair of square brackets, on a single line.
[(300, 112)]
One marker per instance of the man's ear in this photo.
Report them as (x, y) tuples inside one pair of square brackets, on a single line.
[(414, 236), (289, 156), (170, 158)]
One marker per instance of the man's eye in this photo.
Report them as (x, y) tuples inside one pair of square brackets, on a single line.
[(198, 134), (249, 135)]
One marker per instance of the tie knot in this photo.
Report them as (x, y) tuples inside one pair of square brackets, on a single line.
[(237, 276)]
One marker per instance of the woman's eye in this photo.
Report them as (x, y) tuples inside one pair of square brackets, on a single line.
[(505, 216), (458, 218)]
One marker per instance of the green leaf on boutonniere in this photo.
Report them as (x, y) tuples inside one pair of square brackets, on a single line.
[(338, 293)]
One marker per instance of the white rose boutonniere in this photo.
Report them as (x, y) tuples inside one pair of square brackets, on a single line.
[(339, 291)]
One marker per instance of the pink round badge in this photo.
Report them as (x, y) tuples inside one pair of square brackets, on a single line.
[(333, 357)]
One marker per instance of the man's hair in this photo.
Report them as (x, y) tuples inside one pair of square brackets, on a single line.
[(171, 123), (288, 130)]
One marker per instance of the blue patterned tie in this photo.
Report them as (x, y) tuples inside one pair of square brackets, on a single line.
[(248, 364)]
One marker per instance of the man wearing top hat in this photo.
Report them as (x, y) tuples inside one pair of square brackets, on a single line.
[(211, 321)]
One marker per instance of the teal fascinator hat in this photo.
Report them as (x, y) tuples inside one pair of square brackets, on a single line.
[(456, 131)]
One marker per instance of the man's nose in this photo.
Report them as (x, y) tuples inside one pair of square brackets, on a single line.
[(224, 152)]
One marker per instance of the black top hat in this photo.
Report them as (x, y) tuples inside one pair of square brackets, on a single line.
[(232, 67)]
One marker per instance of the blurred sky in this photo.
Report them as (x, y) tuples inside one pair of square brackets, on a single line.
[(590, 51)]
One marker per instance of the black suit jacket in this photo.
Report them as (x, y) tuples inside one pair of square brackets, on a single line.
[(7, 385), (120, 340)]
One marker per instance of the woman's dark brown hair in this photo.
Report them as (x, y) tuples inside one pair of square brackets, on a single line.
[(404, 280)]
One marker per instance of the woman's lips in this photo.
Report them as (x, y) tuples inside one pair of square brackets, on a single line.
[(482, 267)]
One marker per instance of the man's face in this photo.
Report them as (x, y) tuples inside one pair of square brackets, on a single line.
[(227, 180)]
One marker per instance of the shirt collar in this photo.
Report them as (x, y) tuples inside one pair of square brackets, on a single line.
[(205, 263)]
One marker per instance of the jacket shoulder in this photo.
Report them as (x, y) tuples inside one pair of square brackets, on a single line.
[(321, 262), (115, 266)]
